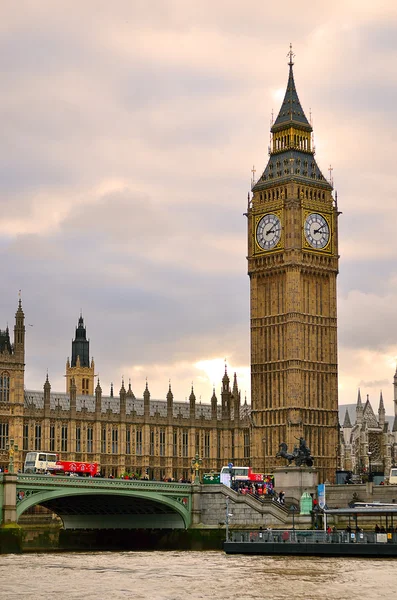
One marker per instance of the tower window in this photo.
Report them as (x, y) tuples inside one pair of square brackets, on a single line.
[(185, 443), (3, 435), (128, 441), (90, 438), (139, 442), (151, 449), (78, 439), (52, 438), (162, 442), (115, 441), (37, 437), (25, 442), (4, 387), (64, 438), (175, 442), (207, 444)]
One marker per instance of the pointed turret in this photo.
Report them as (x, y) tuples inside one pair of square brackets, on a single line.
[(381, 412), (359, 408), (130, 393), (291, 152), (5, 342), (80, 345), (123, 395), (80, 368), (291, 111), (214, 405), (226, 395), (19, 333), (192, 404), (225, 381), (236, 400), (146, 401), (98, 398), (170, 401), (47, 396)]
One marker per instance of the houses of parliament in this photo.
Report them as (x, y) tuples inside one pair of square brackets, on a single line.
[(293, 263)]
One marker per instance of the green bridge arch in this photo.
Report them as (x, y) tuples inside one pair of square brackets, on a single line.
[(94, 503)]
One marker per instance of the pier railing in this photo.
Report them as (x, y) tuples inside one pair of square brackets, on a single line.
[(290, 536)]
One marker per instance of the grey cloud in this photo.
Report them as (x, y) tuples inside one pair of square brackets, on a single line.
[(374, 384)]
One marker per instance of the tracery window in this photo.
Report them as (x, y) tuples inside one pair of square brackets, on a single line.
[(4, 387)]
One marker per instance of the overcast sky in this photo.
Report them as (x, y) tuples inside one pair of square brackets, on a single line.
[(129, 131)]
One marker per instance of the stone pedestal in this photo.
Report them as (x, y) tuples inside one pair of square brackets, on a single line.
[(293, 481)]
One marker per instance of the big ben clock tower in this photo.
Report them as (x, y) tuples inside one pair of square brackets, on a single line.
[(293, 266)]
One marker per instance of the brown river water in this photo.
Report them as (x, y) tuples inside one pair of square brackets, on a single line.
[(193, 576)]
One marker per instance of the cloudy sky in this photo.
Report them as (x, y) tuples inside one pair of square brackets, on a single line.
[(129, 131)]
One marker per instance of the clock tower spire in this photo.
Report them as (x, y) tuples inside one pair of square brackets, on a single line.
[(293, 266)]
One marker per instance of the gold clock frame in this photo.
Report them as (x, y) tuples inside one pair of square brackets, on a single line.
[(305, 244), (280, 244)]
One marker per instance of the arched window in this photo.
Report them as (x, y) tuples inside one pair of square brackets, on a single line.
[(4, 387)]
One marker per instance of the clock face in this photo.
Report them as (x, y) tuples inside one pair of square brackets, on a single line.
[(268, 231), (316, 230)]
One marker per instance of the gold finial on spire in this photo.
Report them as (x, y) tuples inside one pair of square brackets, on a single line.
[(290, 55), (253, 171)]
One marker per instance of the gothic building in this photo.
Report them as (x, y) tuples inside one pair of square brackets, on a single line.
[(293, 266), (123, 433), (368, 441)]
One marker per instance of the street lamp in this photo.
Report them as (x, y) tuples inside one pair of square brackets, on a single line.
[(196, 463), (12, 448), (369, 466), (227, 517), (231, 465), (293, 509)]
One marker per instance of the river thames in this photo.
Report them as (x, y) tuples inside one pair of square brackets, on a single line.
[(192, 576)]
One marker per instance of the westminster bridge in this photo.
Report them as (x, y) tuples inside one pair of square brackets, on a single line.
[(96, 503)]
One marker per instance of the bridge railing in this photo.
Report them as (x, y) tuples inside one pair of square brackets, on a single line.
[(138, 484)]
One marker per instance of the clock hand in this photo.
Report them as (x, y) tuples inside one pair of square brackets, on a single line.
[(318, 230)]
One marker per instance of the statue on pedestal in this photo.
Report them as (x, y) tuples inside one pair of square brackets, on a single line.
[(301, 454)]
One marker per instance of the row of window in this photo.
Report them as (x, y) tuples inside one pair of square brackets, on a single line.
[(133, 441)]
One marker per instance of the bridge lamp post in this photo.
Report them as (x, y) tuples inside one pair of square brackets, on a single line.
[(293, 509), (196, 463), (231, 473), (12, 448), (228, 516)]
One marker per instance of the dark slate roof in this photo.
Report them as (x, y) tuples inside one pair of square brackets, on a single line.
[(290, 165), (347, 422), (291, 111), (35, 399)]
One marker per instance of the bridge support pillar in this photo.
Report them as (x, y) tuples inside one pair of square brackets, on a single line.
[(196, 504), (8, 499)]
